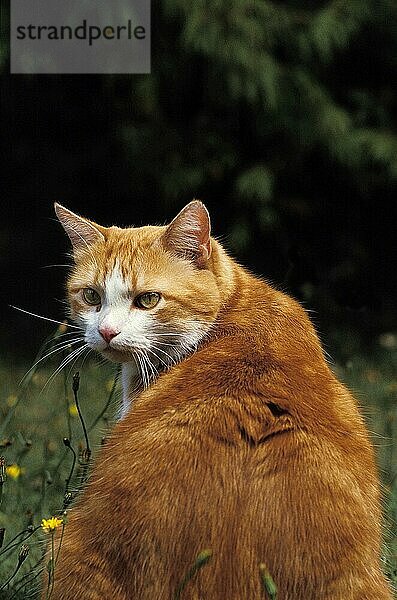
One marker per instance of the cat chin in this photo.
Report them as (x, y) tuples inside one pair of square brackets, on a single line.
[(116, 355)]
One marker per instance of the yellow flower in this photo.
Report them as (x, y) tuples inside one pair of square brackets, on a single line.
[(14, 471), (73, 410), (12, 400), (49, 525)]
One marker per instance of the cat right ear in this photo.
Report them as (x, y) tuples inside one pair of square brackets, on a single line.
[(82, 233), (189, 234)]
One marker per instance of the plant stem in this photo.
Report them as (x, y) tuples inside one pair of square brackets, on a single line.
[(267, 582), (51, 582), (75, 387), (60, 543), (11, 547), (110, 398), (67, 443), (23, 553), (202, 558)]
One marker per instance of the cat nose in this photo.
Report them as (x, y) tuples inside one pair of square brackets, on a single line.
[(108, 333)]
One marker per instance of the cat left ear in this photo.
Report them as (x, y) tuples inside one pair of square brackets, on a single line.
[(82, 233), (188, 235)]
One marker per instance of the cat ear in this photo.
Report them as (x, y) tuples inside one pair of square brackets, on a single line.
[(188, 235), (81, 232)]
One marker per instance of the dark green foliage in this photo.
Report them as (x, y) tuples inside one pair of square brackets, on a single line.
[(280, 116), (291, 117)]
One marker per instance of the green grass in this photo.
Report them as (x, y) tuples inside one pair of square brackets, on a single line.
[(374, 383), (35, 421)]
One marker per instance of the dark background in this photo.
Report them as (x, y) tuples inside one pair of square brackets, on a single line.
[(281, 117)]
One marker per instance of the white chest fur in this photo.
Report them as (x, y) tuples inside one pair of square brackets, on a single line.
[(129, 378)]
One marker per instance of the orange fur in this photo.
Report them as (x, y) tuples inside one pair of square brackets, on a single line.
[(249, 447)]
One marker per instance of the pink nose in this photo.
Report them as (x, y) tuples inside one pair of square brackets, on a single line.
[(108, 333)]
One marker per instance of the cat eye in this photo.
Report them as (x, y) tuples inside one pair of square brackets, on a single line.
[(91, 297), (147, 300)]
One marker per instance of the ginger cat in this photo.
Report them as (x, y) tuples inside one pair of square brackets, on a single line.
[(239, 438)]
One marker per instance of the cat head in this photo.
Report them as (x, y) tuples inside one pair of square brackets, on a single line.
[(146, 295)]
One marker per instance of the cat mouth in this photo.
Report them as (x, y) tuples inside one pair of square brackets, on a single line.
[(116, 355)]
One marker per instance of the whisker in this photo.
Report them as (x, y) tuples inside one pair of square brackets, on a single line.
[(166, 344), (63, 364), (153, 369), (158, 357), (86, 356), (50, 266), (100, 360), (60, 335), (164, 352), (61, 347), (152, 375), (139, 365), (74, 362), (145, 380), (55, 339), (45, 318), (171, 334)]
